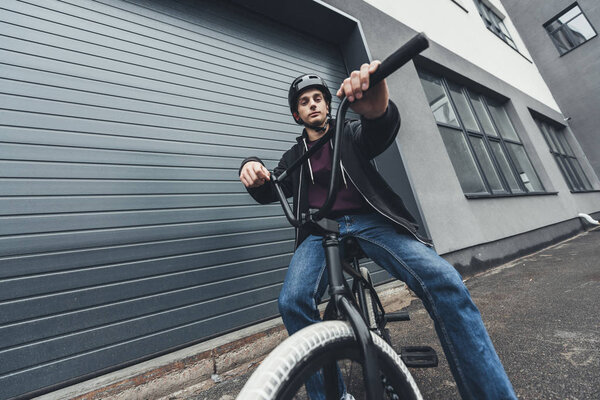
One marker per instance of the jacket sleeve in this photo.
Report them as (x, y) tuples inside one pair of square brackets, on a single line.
[(266, 193), (376, 135)]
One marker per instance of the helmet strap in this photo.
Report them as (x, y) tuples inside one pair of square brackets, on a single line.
[(320, 128)]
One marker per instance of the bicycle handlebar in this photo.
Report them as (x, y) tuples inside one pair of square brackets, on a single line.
[(397, 59)]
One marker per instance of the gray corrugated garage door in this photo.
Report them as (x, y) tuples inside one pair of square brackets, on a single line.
[(124, 231)]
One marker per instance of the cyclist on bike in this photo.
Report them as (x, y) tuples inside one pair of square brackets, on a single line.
[(368, 209)]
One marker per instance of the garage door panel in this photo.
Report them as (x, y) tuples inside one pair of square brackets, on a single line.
[(24, 169), (187, 298), (99, 29), (117, 158), (187, 98), (41, 187), (55, 47), (64, 369), (161, 276), (131, 345), (132, 252), (142, 103), (64, 302), (38, 57), (113, 114), (55, 326), (76, 240), (68, 261), (20, 225), (241, 31), (67, 37), (182, 309), (313, 51), (105, 135), (61, 204), (124, 229)]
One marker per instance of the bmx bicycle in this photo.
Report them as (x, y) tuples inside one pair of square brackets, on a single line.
[(352, 342)]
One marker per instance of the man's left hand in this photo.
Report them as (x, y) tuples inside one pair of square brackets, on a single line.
[(371, 104)]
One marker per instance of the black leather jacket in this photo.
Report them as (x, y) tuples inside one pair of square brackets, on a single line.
[(363, 140)]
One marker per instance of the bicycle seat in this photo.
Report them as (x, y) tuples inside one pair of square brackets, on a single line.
[(352, 248)]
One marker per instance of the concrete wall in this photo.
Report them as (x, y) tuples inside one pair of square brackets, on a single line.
[(454, 221), (573, 78), (462, 31)]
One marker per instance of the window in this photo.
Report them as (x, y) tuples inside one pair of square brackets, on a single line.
[(494, 23), (563, 154), (569, 29), (483, 145)]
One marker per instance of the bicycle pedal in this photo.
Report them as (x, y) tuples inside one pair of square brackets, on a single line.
[(419, 356)]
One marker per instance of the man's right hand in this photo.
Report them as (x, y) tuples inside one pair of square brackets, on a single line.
[(254, 174)]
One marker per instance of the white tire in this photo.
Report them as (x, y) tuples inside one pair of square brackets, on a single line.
[(300, 354)]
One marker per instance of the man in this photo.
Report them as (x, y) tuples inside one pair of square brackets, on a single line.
[(368, 209)]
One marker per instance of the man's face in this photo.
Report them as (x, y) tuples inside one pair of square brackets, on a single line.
[(312, 107)]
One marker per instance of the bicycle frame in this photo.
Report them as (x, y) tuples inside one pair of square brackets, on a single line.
[(316, 222)]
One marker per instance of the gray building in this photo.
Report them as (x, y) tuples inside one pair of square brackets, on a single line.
[(562, 37), (124, 231)]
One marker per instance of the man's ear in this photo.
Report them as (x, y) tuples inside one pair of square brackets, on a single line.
[(296, 116)]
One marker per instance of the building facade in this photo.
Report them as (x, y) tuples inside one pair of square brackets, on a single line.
[(124, 231), (562, 37)]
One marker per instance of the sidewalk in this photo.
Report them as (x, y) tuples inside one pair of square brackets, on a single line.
[(542, 312)]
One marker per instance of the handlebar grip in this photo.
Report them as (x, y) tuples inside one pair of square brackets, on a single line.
[(400, 57)]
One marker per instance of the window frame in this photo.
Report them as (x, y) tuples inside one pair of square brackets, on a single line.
[(561, 27), (487, 139), (564, 159), (492, 21), (459, 3)]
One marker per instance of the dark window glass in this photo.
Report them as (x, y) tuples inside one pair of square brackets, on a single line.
[(469, 125), (482, 114), (524, 168), (505, 167), (438, 100), (567, 173), (464, 111), (502, 121), (462, 161), (570, 29), (568, 163), (486, 164)]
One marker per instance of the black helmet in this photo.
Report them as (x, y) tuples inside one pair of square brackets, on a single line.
[(302, 83)]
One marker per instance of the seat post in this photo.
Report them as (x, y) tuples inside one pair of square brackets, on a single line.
[(331, 244)]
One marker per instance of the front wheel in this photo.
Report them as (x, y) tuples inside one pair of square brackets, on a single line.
[(282, 375)]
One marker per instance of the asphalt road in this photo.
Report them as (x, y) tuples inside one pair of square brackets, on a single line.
[(543, 314)]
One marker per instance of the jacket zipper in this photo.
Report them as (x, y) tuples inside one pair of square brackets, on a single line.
[(298, 205), (387, 216)]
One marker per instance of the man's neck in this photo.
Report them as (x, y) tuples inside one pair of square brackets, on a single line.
[(316, 135)]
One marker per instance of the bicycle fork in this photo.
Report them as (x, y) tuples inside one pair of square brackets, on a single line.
[(339, 296)]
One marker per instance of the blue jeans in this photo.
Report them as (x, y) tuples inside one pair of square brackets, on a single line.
[(473, 361)]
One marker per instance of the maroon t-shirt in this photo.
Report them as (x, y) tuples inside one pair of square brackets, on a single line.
[(348, 199)]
